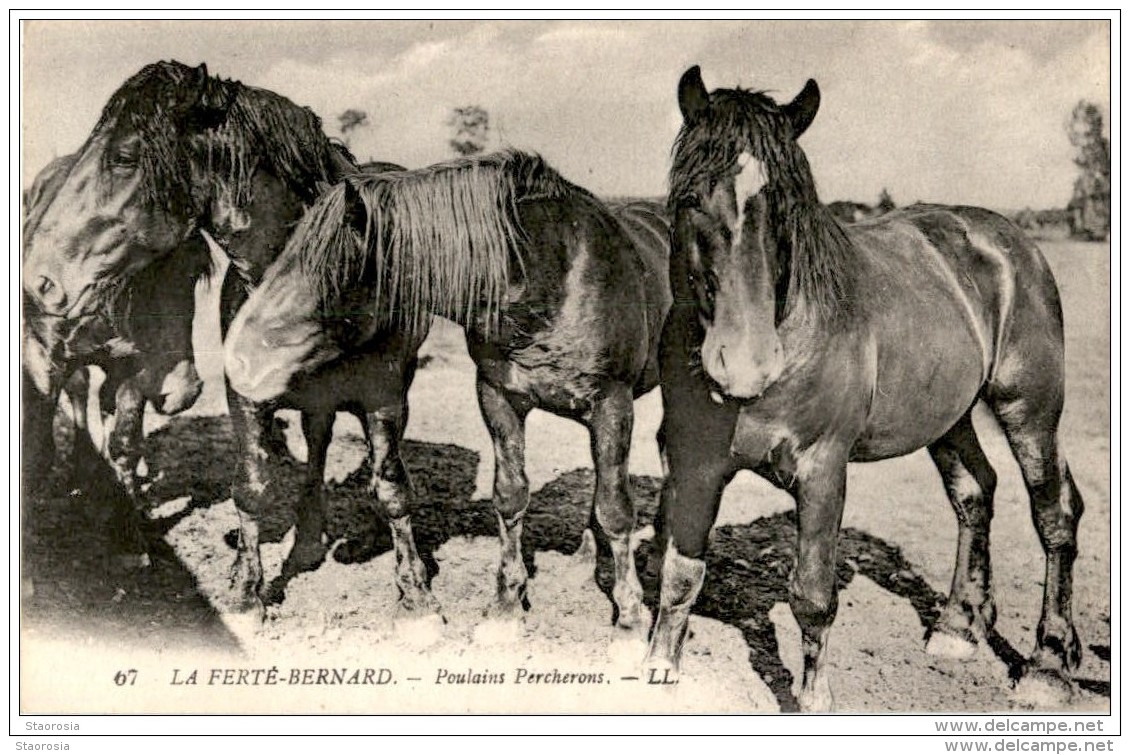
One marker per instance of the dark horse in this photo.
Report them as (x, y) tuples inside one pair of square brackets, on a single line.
[(142, 339), (796, 345), (562, 299), (176, 151)]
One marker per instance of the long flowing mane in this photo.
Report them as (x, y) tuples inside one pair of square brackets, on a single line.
[(815, 257), (440, 240), (188, 123)]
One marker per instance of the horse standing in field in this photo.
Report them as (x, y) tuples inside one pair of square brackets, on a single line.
[(177, 151), (562, 299), (796, 345), (141, 339)]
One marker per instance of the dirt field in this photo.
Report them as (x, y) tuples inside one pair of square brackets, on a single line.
[(82, 623)]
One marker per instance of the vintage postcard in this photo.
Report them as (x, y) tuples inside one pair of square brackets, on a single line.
[(345, 347)]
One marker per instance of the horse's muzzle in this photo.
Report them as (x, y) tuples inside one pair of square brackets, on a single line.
[(742, 373)]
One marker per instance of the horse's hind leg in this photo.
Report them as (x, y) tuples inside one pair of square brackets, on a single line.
[(970, 481), (505, 419), (309, 548), (1031, 426), (392, 488), (611, 432)]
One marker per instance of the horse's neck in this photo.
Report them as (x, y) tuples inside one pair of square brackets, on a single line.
[(254, 234), (823, 266)]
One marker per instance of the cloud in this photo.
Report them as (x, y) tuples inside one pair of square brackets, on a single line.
[(931, 110)]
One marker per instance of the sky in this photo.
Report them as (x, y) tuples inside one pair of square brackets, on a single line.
[(970, 112)]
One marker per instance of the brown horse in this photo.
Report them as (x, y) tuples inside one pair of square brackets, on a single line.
[(176, 151), (561, 296), (796, 345), (142, 339)]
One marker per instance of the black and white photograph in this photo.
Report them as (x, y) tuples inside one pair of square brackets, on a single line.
[(565, 366)]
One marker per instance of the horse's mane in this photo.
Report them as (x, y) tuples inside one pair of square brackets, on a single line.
[(186, 119), (439, 240), (813, 250)]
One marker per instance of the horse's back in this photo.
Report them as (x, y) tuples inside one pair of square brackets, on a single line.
[(987, 254), (958, 300)]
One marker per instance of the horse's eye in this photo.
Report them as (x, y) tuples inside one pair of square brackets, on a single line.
[(124, 157)]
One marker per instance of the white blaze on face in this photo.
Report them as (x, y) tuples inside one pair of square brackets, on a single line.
[(747, 183)]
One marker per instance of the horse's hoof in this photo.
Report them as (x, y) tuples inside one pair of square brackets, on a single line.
[(304, 558), (632, 618), (357, 550), (626, 650), (245, 624), (585, 555), (419, 630), (947, 645), (1043, 688), (816, 700), (499, 630), (580, 568)]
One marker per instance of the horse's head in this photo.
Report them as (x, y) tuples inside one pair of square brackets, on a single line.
[(129, 196), (313, 304), (731, 178)]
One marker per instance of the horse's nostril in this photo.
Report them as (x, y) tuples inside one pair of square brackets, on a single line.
[(50, 294)]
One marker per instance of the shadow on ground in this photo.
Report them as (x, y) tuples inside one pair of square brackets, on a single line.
[(67, 537)]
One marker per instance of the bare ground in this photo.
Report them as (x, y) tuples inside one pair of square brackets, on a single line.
[(82, 621)]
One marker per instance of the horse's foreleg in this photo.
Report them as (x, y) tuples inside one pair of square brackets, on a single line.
[(689, 504), (819, 491), (611, 433), (659, 521), (124, 441), (126, 436), (89, 447), (309, 546), (392, 488), (970, 481), (249, 489), (505, 419)]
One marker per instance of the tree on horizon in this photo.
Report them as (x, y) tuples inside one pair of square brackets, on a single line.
[(1089, 208), (351, 120), (472, 129)]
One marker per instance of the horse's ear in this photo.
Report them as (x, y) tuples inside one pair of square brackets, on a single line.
[(356, 215), (694, 100), (803, 108), (212, 102)]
